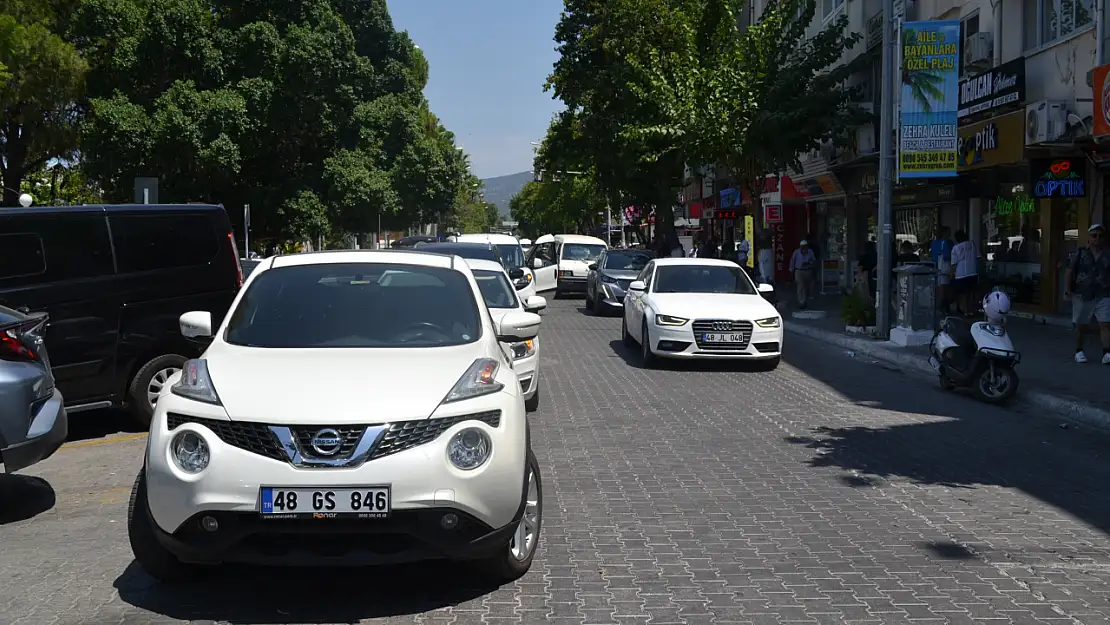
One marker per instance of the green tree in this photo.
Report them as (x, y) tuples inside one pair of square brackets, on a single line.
[(40, 87), (565, 204), (311, 111), (60, 185), (754, 98), (615, 123)]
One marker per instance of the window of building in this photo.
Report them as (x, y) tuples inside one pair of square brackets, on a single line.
[(968, 26), (1046, 21), (830, 7), (150, 242), (1011, 246)]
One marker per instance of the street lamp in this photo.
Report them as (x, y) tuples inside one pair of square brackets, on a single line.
[(25, 200)]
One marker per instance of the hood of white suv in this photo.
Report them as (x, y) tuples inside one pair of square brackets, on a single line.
[(335, 386)]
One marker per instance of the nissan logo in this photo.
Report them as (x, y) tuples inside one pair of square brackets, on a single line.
[(722, 326), (327, 442)]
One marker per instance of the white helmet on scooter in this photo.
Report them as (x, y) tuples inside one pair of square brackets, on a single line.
[(996, 305)]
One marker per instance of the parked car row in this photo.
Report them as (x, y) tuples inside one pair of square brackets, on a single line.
[(681, 308)]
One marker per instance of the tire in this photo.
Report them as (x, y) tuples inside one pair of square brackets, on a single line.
[(510, 564), (158, 562), (626, 338), (153, 374), (983, 390), (532, 404), (648, 356), (591, 306)]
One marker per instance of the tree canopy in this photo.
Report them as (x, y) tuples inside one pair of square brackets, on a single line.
[(651, 85)]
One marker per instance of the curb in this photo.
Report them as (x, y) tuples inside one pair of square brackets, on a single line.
[(1046, 404)]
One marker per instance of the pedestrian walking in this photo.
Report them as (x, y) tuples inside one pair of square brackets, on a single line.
[(965, 274), (801, 265), (1087, 283)]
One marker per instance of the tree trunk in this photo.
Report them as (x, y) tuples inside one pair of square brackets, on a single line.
[(664, 211)]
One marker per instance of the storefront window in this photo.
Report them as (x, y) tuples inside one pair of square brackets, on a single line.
[(1011, 246), (918, 226)]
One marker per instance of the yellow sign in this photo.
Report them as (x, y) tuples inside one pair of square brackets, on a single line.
[(996, 141), (749, 236)]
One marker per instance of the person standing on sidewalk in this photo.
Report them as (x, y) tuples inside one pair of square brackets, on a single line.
[(965, 274), (801, 265), (1087, 283), (940, 252)]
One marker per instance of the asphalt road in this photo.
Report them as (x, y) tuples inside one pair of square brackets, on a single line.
[(832, 490)]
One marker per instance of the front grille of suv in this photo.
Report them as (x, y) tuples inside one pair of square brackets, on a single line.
[(257, 438)]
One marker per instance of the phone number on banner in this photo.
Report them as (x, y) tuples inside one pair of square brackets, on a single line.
[(927, 161)]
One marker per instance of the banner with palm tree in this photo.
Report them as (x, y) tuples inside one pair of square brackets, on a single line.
[(930, 99)]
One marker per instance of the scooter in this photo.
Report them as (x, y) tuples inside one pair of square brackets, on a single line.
[(979, 355)]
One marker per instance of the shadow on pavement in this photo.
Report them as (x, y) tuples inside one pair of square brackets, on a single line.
[(952, 441), (23, 497), (631, 357), (100, 423), (266, 596)]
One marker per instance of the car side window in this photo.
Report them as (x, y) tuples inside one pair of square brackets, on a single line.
[(601, 261), (55, 248), (543, 252), (645, 275), (150, 242)]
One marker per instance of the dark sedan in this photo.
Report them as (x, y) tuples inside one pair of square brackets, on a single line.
[(610, 276)]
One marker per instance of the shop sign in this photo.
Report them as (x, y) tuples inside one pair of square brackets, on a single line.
[(924, 195), (1008, 206), (730, 198), (778, 234), (728, 214), (1058, 178), (772, 213), (1101, 100), (998, 141), (927, 134), (695, 210), (993, 89), (875, 30)]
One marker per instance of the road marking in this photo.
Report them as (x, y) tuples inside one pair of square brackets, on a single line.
[(106, 441)]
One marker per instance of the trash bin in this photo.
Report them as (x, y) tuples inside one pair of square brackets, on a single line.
[(915, 294)]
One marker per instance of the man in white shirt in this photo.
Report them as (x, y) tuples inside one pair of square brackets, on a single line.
[(965, 274)]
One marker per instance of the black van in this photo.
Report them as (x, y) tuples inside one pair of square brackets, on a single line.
[(114, 280)]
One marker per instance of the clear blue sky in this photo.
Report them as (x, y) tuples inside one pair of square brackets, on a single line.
[(489, 60)]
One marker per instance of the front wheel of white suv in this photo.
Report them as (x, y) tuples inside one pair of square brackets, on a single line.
[(518, 554), (155, 559)]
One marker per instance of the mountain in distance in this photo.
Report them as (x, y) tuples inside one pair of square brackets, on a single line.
[(501, 189)]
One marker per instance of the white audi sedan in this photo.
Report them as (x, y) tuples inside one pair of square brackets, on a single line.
[(353, 408), (502, 299), (700, 308)]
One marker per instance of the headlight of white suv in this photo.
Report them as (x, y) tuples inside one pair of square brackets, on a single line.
[(769, 322), (480, 379), (469, 449), (190, 451), (668, 320), (524, 349), (196, 383)]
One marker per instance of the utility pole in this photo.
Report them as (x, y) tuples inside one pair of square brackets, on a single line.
[(886, 174)]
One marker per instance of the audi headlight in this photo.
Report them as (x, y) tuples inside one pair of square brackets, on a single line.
[(668, 320), (524, 349), (469, 449), (480, 379), (196, 383), (769, 322), (190, 452)]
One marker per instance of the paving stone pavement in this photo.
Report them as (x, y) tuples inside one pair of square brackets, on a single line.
[(831, 490)]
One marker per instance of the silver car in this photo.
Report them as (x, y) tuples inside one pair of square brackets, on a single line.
[(610, 276), (33, 422)]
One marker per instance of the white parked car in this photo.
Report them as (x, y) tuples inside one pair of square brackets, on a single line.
[(562, 262), (512, 257), (502, 299), (700, 308), (353, 408)]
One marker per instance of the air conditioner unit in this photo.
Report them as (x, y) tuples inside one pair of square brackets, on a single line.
[(1045, 121), (978, 52)]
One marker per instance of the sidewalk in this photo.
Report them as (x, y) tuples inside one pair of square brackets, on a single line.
[(1051, 381)]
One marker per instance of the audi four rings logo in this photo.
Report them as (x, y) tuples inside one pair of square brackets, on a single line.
[(327, 442), (722, 326)]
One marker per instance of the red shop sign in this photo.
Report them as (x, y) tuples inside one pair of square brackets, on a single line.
[(772, 213)]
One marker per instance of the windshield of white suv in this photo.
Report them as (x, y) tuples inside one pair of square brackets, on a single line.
[(702, 279), (495, 289), (511, 256), (626, 261), (356, 305), (582, 251)]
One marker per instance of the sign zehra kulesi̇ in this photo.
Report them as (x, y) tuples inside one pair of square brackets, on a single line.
[(930, 99)]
